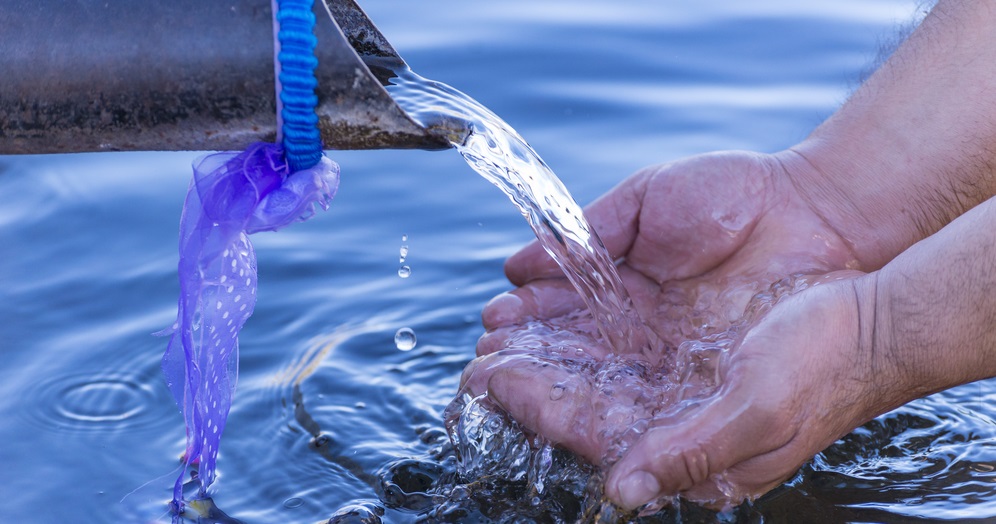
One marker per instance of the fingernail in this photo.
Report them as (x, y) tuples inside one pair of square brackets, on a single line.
[(637, 488), (502, 310)]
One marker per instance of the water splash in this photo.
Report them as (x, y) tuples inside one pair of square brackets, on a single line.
[(505, 475)]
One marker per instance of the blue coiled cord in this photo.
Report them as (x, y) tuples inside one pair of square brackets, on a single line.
[(302, 141)]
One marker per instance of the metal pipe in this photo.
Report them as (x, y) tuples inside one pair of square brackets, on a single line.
[(123, 75)]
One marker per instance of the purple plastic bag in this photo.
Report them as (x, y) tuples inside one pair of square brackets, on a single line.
[(230, 196)]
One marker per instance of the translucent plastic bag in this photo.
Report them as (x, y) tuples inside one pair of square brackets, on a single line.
[(231, 196)]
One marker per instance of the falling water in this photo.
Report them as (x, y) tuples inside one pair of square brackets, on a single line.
[(501, 156)]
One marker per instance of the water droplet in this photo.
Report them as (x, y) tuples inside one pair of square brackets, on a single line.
[(404, 252), (404, 271), (405, 339), (579, 352), (404, 238), (557, 392)]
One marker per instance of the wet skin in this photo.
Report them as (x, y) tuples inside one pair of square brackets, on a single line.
[(710, 255), (890, 200)]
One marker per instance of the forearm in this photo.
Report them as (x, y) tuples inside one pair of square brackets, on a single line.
[(935, 307), (915, 146)]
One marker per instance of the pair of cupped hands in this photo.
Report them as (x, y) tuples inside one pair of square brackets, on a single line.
[(683, 232), (702, 234), (888, 209)]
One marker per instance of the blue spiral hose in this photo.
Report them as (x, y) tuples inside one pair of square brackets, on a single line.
[(301, 139)]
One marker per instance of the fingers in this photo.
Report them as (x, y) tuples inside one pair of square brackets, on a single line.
[(493, 341), (540, 395), (540, 299), (686, 456), (507, 314), (547, 316), (614, 217), (571, 336), (594, 408), (530, 263), (550, 314), (727, 450), (789, 391)]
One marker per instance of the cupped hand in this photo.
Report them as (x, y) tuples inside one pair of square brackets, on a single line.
[(801, 375), (696, 239)]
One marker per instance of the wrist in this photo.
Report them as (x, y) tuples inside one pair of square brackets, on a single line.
[(934, 311), (912, 148), (855, 198), (888, 380), (911, 368)]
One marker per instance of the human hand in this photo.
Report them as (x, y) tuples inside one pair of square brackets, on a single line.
[(903, 158), (799, 377), (697, 239), (801, 373), (909, 152)]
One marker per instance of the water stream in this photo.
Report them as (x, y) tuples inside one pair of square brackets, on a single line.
[(497, 152)]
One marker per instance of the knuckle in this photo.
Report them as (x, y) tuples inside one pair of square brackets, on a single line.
[(692, 467)]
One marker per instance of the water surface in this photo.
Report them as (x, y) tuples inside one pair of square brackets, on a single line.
[(326, 400)]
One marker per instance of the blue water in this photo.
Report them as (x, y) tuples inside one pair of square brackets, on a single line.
[(599, 89)]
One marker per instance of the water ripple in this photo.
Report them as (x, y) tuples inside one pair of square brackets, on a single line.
[(932, 458), (88, 403)]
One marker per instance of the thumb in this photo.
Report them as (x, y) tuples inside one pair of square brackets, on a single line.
[(673, 458)]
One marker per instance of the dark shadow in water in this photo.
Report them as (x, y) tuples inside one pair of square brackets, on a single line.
[(324, 443)]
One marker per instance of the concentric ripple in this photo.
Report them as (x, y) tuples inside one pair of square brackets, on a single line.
[(82, 402)]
